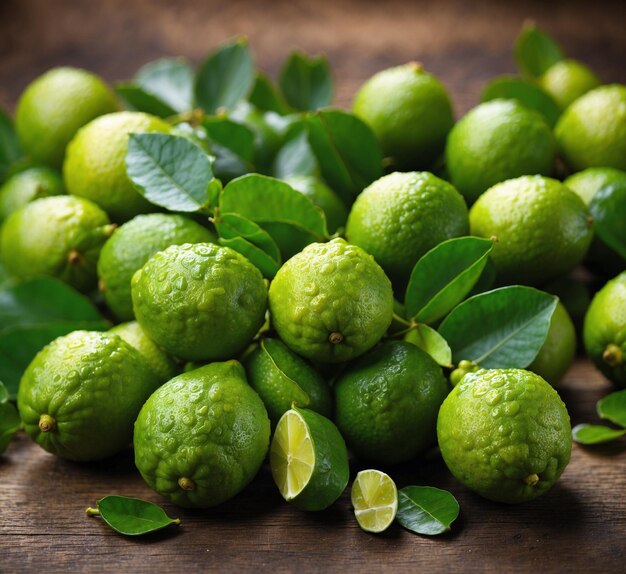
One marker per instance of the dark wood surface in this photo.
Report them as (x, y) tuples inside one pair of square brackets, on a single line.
[(579, 526)]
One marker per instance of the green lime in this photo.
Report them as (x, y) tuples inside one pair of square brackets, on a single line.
[(505, 434), (282, 378), (132, 245), (80, 395), (592, 130), (498, 140), (200, 302), (575, 297), (604, 333), (309, 460), (28, 185), (567, 80), (202, 437), (541, 228), (410, 112), (163, 366), (54, 106), (401, 216), (386, 403), (58, 236), (374, 498), (95, 165), (331, 302)]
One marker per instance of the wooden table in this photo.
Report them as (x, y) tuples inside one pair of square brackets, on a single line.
[(579, 526)]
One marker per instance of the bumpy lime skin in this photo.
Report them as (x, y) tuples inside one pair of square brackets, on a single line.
[(401, 216), (207, 426), (542, 228), (132, 245), (605, 327), (331, 302), (505, 434), (200, 302), (386, 403), (93, 386)]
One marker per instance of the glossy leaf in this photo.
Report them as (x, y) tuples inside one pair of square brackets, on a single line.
[(595, 434), (486, 280), (225, 77), (426, 510), (613, 408), (132, 516), (9, 145), (267, 265), (535, 51), (170, 80), (230, 134), (170, 171), (306, 82), (503, 328), (295, 157), (527, 93), (231, 225), (444, 276), (608, 209), (10, 421), (139, 100), (430, 341), (265, 96)]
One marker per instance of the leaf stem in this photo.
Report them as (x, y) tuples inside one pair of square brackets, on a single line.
[(92, 511)]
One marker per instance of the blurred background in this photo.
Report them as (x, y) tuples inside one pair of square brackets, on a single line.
[(464, 43)]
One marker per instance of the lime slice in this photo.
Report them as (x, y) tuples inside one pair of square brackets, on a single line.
[(375, 500), (309, 460)]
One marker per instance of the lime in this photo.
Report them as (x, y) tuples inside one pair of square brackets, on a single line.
[(386, 403), (567, 80), (80, 395), (58, 236), (604, 332), (410, 112), (374, 497), (498, 140), (95, 165), (505, 434), (54, 106), (401, 216), (28, 185), (202, 437), (282, 378), (574, 295), (331, 302), (542, 229), (132, 245), (592, 130), (200, 301), (309, 460)]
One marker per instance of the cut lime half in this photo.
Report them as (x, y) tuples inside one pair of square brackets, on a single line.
[(375, 500)]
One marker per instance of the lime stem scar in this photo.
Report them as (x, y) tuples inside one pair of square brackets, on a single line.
[(186, 483), (47, 423), (74, 257), (335, 338), (612, 355), (531, 479)]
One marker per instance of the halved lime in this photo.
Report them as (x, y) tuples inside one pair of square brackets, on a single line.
[(375, 500), (309, 460)]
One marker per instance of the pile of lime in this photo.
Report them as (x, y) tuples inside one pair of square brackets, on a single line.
[(223, 272)]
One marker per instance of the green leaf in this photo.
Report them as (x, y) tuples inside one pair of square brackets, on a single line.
[(503, 328), (225, 77), (170, 80), (528, 94), (265, 96), (10, 421), (132, 516), (138, 99), (608, 209), (306, 82), (426, 510), (433, 343), (9, 145), (170, 171), (259, 258), (595, 434), (295, 157), (231, 225), (235, 136), (535, 51), (613, 408), (444, 276), (347, 151), (486, 280)]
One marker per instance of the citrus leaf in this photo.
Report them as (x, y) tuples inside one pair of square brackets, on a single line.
[(295, 157), (427, 339), (595, 434), (170, 80), (608, 209), (444, 276), (503, 328), (9, 145), (486, 280), (132, 516), (264, 263), (426, 510), (232, 135), (140, 100), (306, 82), (10, 421), (231, 225), (170, 171), (347, 151), (225, 77), (613, 408), (528, 94), (535, 51), (265, 96)]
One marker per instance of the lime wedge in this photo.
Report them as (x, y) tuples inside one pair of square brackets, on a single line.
[(375, 500)]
